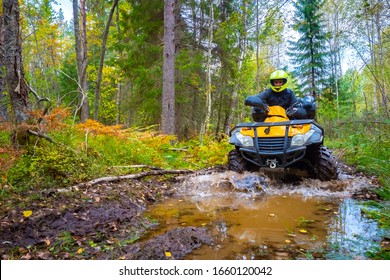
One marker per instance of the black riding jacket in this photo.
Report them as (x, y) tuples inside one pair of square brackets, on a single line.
[(285, 98)]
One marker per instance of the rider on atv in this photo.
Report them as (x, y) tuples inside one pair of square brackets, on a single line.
[(279, 95)]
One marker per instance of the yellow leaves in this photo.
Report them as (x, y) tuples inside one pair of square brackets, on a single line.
[(168, 254), (27, 213), (303, 231), (80, 251)]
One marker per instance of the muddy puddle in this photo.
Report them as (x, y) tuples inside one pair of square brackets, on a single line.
[(255, 217)]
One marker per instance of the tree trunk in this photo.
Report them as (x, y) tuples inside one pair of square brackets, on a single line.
[(208, 77), (3, 98), (237, 87), (119, 89), (101, 63), (257, 48), (118, 103), (16, 85), (168, 94), (82, 60), (381, 64)]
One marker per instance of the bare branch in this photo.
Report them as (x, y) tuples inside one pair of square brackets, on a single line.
[(130, 177)]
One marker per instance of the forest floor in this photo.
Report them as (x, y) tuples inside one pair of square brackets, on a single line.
[(103, 221)]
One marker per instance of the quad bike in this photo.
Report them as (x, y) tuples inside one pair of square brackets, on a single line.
[(292, 147)]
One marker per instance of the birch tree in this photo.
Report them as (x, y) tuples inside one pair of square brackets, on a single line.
[(208, 72)]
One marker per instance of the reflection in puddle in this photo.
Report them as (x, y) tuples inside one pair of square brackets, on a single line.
[(351, 235), (247, 217)]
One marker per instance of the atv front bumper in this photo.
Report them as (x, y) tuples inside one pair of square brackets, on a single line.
[(274, 159), (274, 152)]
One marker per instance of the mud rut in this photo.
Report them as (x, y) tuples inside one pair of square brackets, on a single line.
[(107, 221)]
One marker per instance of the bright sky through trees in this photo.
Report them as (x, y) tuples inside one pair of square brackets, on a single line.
[(66, 6)]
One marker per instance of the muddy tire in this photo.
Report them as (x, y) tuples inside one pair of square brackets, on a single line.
[(237, 163), (325, 164)]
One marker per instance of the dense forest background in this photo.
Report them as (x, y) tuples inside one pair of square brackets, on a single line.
[(243, 42), (106, 63)]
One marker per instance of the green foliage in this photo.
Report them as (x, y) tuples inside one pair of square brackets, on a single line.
[(308, 53), (92, 150), (44, 43), (48, 165), (141, 58), (64, 243), (365, 144), (360, 135), (379, 212), (209, 153), (67, 79)]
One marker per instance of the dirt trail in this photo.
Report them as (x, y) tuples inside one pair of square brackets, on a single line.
[(105, 221)]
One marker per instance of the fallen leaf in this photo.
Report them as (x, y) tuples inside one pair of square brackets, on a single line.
[(303, 230), (27, 213), (26, 257), (272, 215), (80, 250), (168, 254), (287, 241), (47, 241), (204, 224)]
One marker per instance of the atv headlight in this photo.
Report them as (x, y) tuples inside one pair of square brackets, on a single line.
[(246, 141), (300, 139)]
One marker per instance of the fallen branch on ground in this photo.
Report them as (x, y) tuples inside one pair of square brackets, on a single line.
[(41, 135), (130, 176), (136, 166)]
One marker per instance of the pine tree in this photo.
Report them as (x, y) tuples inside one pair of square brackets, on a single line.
[(309, 52)]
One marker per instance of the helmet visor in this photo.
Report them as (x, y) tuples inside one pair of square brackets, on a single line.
[(278, 82)]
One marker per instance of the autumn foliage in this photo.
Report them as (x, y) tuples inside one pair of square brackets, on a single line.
[(80, 152)]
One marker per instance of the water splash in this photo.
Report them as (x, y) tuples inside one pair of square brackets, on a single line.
[(252, 210), (257, 184)]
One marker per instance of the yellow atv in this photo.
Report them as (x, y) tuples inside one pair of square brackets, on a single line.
[(280, 144)]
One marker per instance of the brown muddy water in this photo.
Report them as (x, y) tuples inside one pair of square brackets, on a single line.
[(251, 216)]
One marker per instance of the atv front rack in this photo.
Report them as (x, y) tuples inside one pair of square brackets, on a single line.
[(264, 124), (263, 155)]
